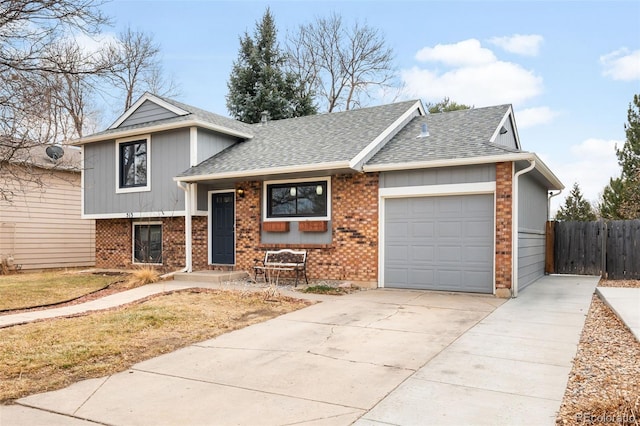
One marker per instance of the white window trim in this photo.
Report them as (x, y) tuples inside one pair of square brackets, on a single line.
[(295, 219), (145, 188), (133, 242)]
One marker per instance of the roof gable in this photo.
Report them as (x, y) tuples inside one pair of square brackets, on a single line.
[(452, 135), (148, 108)]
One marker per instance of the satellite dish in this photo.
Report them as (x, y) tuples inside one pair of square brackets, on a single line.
[(54, 152)]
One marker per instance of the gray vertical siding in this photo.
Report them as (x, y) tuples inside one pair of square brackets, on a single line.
[(439, 176), (210, 143), (147, 112), (169, 156), (294, 236), (532, 215), (508, 139)]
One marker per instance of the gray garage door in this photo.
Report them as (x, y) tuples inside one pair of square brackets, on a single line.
[(439, 243)]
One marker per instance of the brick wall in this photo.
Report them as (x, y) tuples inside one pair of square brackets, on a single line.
[(114, 242), (504, 186), (353, 253)]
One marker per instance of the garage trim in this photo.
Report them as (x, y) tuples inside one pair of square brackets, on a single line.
[(428, 191)]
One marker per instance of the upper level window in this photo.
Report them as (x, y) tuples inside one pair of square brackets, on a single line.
[(133, 165), (298, 199)]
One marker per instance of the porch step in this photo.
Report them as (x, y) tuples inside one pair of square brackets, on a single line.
[(210, 276)]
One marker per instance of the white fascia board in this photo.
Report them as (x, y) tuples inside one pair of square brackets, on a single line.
[(133, 215), (265, 172), (382, 136), (516, 156), (548, 174), (448, 162), (438, 190), (147, 97), (161, 128)]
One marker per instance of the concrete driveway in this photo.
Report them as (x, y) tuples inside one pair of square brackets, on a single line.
[(327, 364)]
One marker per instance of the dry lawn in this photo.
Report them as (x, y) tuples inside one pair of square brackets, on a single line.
[(604, 384), (53, 354), (29, 289)]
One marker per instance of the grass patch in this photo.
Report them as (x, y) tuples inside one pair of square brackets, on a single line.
[(29, 289), (52, 354), (325, 289)]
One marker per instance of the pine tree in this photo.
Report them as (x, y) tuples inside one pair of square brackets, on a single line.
[(576, 207), (445, 105), (259, 82), (611, 201), (621, 198)]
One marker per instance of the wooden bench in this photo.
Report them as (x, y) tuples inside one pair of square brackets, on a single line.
[(282, 260)]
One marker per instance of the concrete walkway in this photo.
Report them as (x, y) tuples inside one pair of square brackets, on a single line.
[(373, 357), (625, 302), (128, 296)]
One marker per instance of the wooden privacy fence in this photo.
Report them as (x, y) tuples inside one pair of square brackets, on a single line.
[(610, 249)]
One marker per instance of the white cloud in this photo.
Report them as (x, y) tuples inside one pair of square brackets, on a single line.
[(467, 52), (591, 163), (92, 44), (473, 76), (621, 64), (527, 45), (489, 84), (535, 116)]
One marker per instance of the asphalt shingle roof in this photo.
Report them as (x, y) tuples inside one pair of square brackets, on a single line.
[(457, 134), (194, 113), (316, 139)]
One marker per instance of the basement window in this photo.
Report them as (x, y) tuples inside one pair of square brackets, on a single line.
[(147, 243)]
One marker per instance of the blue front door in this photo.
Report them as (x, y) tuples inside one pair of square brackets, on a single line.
[(222, 228)]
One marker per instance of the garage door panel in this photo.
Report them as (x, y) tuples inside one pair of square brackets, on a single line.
[(449, 254), (481, 254), (397, 252), (478, 229), (425, 207), (447, 241), (449, 229), (397, 275), (398, 230), (424, 254), (422, 229), (419, 277)]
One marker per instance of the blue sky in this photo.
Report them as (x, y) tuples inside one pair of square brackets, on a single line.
[(569, 68)]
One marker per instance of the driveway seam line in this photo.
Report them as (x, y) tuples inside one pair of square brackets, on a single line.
[(245, 388)]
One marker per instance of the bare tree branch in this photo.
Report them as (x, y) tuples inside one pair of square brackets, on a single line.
[(341, 65)]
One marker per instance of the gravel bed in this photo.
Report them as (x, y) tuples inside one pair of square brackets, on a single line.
[(604, 384)]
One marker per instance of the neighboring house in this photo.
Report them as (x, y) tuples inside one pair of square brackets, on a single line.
[(387, 195), (41, 225)]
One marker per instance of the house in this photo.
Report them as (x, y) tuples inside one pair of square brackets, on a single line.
[(388, 195), (40, 224)]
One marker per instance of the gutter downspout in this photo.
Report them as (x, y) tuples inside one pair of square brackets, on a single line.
[(514, 227), (551, 195), (187, 226)]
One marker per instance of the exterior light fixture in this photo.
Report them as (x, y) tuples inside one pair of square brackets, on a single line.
[(240, 192)]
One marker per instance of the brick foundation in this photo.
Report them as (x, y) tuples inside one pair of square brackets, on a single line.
[(504, 236)]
